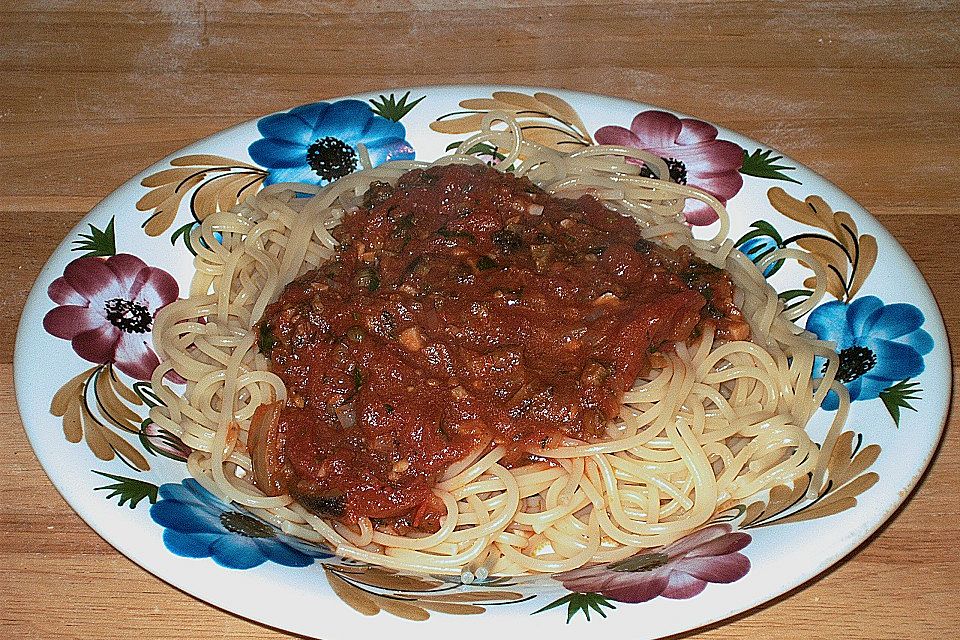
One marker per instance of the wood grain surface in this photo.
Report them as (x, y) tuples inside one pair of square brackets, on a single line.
[(866, 93)]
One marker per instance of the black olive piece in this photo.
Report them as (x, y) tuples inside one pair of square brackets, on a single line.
[(323, 505), (378, 193), (506, 240), (486, 262), (368, 279)]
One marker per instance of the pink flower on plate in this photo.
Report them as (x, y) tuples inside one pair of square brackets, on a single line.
[(680, 570), (691, 151), (107, 307)]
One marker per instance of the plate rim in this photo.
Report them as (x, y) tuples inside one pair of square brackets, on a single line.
[(825, 563)]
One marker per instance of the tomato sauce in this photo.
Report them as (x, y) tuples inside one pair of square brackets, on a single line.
[(467, 308)]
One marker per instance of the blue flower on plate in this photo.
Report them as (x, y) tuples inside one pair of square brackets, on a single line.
[(317, 143), (762, 240), (757, 248), (200, 525), (879, 345)]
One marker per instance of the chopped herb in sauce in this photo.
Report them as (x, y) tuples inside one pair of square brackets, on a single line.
[(266, 339), (443, 232), (403, 226), (357, 378)]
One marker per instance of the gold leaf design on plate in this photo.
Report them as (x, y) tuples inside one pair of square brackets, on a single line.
[(111, 407), (370, 590), (385, 579), (62, 405), (544, 118), (370, 603), (466, 124), (165, 203), (561, 109), (844, 481), (848, 255), (805, 212), (868, 258), (71, 403), (781, 498), (831, 256), (846, 478), (125, 392), (218, 183)]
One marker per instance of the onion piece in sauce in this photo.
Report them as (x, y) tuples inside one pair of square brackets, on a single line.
[(266, 449), (347, 415)]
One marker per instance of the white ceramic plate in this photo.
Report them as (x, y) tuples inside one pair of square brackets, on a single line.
[(83, 350)]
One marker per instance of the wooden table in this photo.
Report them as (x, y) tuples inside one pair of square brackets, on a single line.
[(867, 95)]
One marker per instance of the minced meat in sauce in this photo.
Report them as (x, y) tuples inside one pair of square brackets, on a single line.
[(467, 308)]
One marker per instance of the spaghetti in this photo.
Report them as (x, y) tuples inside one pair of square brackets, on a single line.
[(715, 422)]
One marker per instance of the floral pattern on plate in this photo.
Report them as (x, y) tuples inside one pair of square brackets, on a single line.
[(880, 345), (106, 305), (679, 571), (105, 301), (317, 143), (200, 525), (692, 152)]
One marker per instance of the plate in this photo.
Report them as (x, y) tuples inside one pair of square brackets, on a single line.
[(83, 354)]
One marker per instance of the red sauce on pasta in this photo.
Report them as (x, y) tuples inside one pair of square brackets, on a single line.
[(467, 308)]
